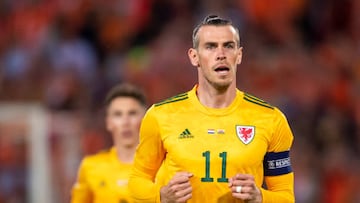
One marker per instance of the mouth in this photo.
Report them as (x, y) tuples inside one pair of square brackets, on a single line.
[(222, 69), (126, 134)]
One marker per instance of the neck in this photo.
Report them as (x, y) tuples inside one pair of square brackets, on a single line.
[(125, 154), (216, 98)]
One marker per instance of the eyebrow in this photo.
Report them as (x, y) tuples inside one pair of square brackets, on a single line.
[(216, 43), (229, 42)]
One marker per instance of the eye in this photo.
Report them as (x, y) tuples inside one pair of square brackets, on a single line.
[(117, 114), (210, 46), (230, 46), (133, 112)]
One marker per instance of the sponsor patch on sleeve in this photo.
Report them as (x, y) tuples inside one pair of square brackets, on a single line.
[(277, 163)]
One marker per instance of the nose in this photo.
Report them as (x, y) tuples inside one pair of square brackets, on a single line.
[(125, 120), (221, 55)]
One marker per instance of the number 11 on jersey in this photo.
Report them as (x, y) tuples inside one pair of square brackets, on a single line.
[(207, 177)]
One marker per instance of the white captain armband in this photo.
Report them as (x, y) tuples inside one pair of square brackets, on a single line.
[(277, 163)]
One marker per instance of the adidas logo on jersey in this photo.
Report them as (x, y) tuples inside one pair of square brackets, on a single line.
[(185, 134)]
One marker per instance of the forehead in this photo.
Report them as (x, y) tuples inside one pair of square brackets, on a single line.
[(221, 33), (124, 103)]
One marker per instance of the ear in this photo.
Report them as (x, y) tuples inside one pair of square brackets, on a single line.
[(239, 57), (193, 56)]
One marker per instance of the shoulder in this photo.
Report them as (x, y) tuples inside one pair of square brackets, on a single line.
[(258, 105), (256, 102), (163, 110), (97, 158), (263, 109), (173, 100)]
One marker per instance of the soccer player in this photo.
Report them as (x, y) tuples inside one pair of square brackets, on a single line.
[(216, 143), (103, 177)]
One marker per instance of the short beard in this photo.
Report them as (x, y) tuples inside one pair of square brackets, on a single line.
[(220, 87)]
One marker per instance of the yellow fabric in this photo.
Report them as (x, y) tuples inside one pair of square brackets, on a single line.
[(192, 138), (279, 183), (102, 178)]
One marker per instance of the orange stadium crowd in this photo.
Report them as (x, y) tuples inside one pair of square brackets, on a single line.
[(299, 55)]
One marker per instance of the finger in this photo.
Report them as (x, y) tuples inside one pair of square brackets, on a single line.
[(247, 193), (183, 199), (244, 189), (244, 177), (179, 183), (183, 191), (183, 174), (179, 178), (243, 180), (231, 181), (240, 177), (243, 196), (179, 186)]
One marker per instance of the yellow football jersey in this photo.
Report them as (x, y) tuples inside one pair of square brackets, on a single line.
[(102, 178), (249, 136)]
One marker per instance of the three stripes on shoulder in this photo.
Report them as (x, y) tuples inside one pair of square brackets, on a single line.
[(257, 101), (176, 98)]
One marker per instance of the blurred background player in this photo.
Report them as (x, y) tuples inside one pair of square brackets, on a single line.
[(103, 177)]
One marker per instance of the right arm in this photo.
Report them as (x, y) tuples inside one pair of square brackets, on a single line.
[(148, 159)]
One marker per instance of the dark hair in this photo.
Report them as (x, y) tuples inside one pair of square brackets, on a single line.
[(125, 90), (212, 20)]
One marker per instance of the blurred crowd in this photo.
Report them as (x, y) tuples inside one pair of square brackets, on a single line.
[(302, 56)]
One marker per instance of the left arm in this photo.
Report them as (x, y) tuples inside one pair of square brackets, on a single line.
[(279, 178), (279, 189)]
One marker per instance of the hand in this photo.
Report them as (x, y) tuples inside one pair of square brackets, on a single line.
[(178, 190), (248, 192)]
